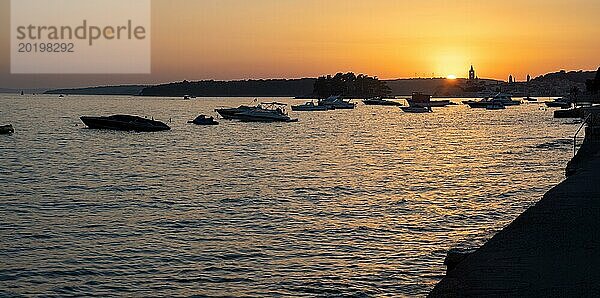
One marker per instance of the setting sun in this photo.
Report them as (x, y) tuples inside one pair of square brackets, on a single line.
[(451, 77)]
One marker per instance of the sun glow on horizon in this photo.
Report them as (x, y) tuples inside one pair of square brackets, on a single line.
[(451, 77)]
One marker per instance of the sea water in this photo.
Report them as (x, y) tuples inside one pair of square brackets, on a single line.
[(362, 202)]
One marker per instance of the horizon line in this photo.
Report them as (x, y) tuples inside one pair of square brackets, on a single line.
[(274, 78)]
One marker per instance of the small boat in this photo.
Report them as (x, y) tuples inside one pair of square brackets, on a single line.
[(529, 98), (505, 99), (424, 100), (61, 96), (186, 97), (309, 106), (475, 104), (378, 101), (6, 129), (124, 122), (416, 109), (337, 103), (203, 120), (495, 105), (22, 93)]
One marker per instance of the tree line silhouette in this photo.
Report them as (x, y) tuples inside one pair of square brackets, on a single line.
[(242, 88), (347, 85), (350, 85)]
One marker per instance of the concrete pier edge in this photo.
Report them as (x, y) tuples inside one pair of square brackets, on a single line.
[(550, 250)]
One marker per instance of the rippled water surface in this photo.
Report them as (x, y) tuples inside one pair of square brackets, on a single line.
[(361, 202)]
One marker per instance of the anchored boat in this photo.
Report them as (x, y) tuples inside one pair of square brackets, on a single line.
[(309, 107), (6, 129), (559, 103), (229, 113), (378, 101), (424, 100), (203, 120), (337, 103), (264, 112), (124, 122), (503, 98), (416, 109)]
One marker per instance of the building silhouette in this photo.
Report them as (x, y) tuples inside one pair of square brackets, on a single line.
[(472, 73)]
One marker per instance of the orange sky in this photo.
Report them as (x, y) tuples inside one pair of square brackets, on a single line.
[(235, 39)]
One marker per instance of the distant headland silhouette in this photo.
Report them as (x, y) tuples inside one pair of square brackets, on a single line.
[(350, 85)]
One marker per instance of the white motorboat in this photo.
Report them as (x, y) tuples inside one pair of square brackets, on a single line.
[(229, 113), (336, 103), (264, 112), (309, 106)]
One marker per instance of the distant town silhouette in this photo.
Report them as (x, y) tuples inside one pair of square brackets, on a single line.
[(350, 85)]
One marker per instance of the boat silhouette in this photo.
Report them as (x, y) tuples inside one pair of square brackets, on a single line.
[(124, 122)]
